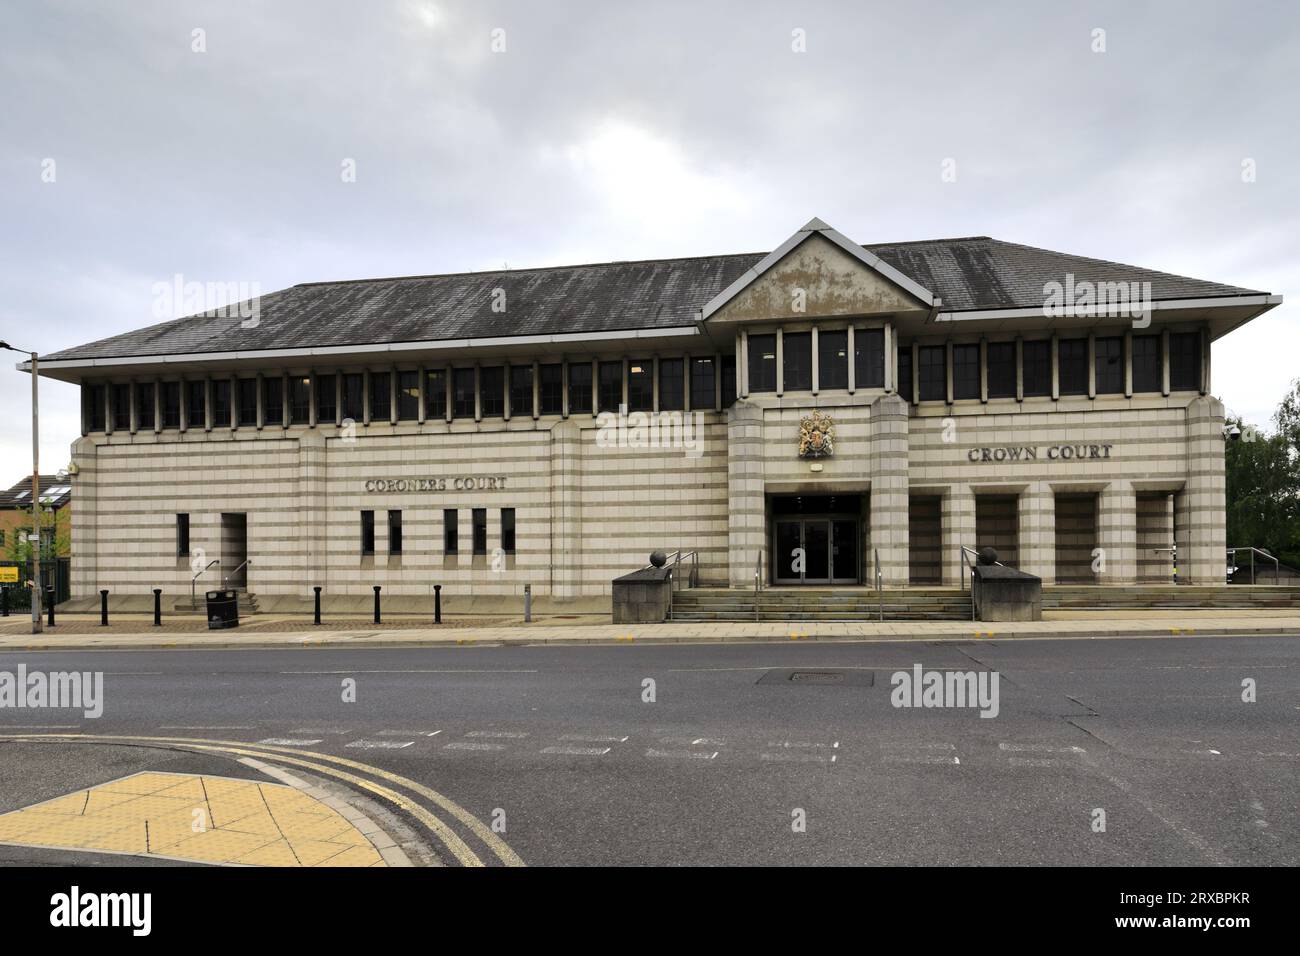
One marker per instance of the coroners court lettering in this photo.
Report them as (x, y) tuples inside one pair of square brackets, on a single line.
[(1003, 453), (457, 483)]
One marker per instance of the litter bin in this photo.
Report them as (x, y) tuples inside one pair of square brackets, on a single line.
[(223, 609)]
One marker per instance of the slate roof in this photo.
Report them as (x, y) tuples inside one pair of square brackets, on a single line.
[(972, 273), (20, 495)]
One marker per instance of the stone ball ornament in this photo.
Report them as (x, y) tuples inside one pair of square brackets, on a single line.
[(658, 558), (988, 556)]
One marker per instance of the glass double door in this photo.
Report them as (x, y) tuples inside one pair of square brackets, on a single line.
[(815, 550)]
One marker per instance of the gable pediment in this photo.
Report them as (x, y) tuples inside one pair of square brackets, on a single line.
[(817, 273)]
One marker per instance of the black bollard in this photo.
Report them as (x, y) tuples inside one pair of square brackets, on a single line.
[(437, 604), (4, 602), (316, 588), (157, 607), (103, 607), (376, 603), (49, 607)]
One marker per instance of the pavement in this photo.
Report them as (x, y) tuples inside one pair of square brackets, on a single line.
[(1119, 752), (199, 818), (83, 631)]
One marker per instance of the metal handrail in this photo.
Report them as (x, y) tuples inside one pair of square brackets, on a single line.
[(1277, 566), (193, 601), (880, 593), (758, 577), (676, 557), (226, 579)]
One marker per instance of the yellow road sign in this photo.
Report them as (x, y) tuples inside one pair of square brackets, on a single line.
[(8, 575)]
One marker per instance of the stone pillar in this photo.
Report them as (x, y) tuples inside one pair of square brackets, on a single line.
[(1205, 560), (1183, 538), (1117, 533), (314, 512), (889, 488), (1036, 516), (958, 532), (746, 532), (565, 558), (85, 537)]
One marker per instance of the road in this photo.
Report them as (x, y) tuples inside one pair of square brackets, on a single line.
[(565, 750)]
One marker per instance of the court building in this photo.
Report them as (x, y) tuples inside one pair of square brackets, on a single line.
[(812, 415)]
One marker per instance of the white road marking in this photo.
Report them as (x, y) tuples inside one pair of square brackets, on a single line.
[(1037, 762), (364, 744), (415, 671), (796, 758), (40, 726), (577, 751), (502, 734), (694, 741), (586, 739), (801, 744), (407, 733), (915, 745), (461, 745), (208, 727), (321, 730), (920, 758), (289, 741), (693, 754), (775, 667), (1040, 748)]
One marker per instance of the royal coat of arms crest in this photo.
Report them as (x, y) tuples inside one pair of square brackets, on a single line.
[(816, 436)]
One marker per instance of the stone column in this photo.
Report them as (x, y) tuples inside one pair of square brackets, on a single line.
[(889, 488), (1036, 517), (1205, 560), (746, 532), (958, 532), (1117, 533), (85, 537), (566, 543), (314, 512)]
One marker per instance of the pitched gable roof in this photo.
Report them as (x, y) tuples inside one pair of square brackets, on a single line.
[(967, 274)]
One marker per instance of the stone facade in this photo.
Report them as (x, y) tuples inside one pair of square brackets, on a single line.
[(1088, 461), (586, 513)]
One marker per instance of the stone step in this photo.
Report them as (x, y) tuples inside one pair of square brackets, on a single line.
[(820, 618)]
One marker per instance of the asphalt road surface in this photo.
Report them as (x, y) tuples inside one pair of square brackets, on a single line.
[(760, 754)]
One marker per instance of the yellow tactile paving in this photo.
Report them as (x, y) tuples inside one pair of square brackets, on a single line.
[(194, 817)]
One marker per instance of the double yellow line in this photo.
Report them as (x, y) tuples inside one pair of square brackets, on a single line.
[(290, 755)]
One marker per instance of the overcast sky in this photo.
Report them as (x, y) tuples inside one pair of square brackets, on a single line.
[(621, 131)]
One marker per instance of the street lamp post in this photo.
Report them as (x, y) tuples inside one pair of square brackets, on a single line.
[(36, 492)]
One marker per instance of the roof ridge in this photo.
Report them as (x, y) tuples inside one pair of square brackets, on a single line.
[(489, 272), (1122, 265), (615, 262)]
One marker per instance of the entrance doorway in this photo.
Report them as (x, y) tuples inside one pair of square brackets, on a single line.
[(815, 539), (234, 549)]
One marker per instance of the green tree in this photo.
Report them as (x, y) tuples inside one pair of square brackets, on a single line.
[(1263, 484), (56, 535)]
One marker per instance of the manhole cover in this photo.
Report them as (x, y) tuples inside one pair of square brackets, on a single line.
[(816, 677)]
